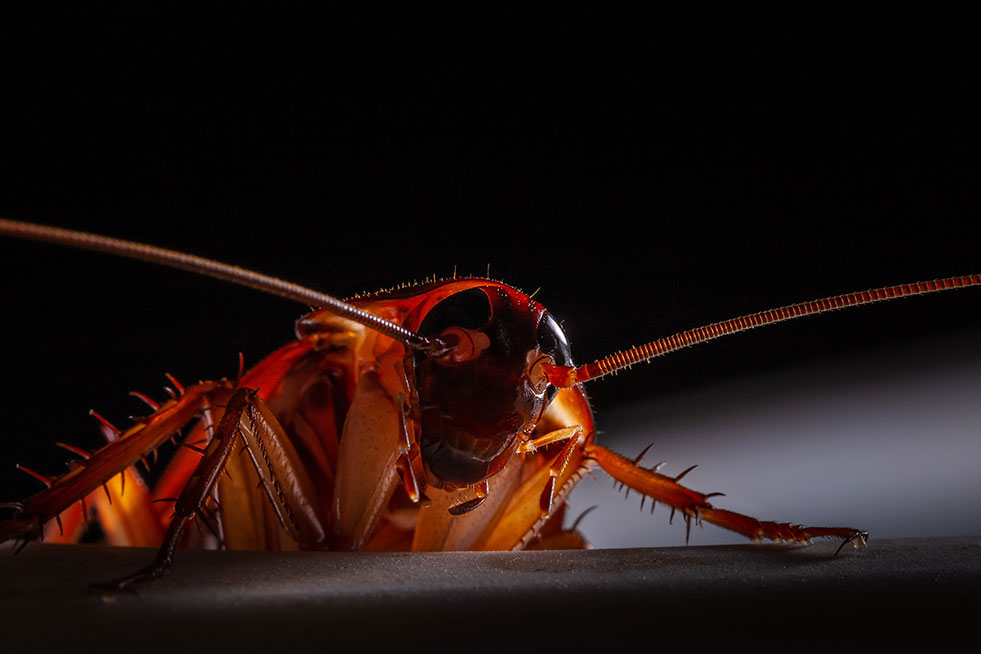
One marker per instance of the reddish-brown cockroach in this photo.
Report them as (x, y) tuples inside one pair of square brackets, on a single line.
[(443, 416)]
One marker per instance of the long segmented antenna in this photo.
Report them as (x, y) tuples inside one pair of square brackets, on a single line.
[(211, 268), (565, 376)]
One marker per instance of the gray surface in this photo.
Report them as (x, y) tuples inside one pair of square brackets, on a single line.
[(895, 593)]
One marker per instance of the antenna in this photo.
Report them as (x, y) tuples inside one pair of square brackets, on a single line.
[(565, 376), (211, 268)]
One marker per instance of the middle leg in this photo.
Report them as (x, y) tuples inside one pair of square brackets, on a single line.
[(695, 506)]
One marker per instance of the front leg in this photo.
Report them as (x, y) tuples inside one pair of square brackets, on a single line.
[(572, 437)]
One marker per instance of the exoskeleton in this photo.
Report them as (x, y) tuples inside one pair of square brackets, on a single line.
[(443, 416)]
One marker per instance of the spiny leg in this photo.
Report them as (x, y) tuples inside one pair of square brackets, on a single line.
[(695, 506), (556, 537), (198, 489), (569, 434), (279, 469), (123, 507), (107, 462)]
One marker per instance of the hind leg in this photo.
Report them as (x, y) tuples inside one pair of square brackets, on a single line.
[(108, 462)]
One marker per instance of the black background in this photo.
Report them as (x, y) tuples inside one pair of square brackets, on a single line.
[(646, 179)]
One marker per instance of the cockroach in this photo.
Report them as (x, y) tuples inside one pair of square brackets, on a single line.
[(447, 415)]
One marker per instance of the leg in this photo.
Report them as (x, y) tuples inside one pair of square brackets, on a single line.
[(569, 434), (695, 505), (279, 468), (553, 536), (195, 493), (107, 462), (545, 481)]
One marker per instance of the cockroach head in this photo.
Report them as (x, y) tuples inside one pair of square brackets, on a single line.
[(490, 385)]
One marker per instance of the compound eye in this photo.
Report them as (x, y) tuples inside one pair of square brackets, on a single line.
[(555, 346), (553, 342)]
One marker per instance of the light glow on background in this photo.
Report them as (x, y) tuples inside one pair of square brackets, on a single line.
[(888, 442)]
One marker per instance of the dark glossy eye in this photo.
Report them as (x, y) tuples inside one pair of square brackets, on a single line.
[(553, 342)]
